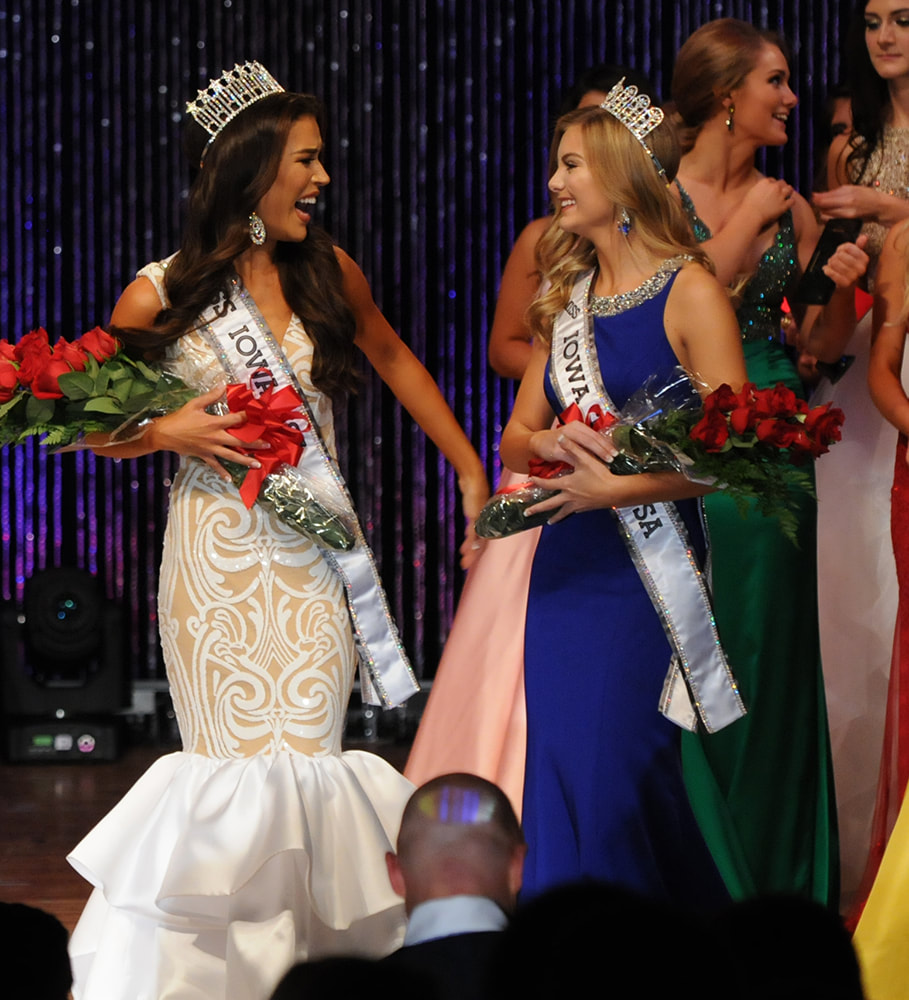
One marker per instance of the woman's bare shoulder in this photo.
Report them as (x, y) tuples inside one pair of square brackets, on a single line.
[(138, 305)]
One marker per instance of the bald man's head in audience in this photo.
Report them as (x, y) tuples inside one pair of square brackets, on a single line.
[(459, 836)]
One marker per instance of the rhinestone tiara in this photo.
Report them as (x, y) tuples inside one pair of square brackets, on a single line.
[(234, 91), (637, 114), (633, 110)]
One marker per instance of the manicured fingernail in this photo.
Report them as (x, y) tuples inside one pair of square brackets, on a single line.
[(255, 465)]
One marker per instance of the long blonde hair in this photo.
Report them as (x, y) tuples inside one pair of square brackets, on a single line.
[(629, 179)]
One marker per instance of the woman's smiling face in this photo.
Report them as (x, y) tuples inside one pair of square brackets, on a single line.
[(764, 99), (583, 204), (285, 208)]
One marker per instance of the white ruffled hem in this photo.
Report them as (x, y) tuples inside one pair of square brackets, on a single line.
[(212, 876)]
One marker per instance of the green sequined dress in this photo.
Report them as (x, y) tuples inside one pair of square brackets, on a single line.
[(762, 789)]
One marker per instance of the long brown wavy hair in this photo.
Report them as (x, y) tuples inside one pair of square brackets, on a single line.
[(628, 178), (239, 167)]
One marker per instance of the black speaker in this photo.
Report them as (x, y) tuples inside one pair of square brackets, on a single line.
[(62, 652)]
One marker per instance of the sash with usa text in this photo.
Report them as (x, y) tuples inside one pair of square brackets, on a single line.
[(699, 683)]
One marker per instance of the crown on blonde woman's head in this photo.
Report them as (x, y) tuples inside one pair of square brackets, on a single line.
[(232, 92), (636, 112), (633, 110)]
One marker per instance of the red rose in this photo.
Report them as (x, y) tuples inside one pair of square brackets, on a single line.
[(7, 350), (72, 354), (783, 434), (32, 352), (9, 379), (746, 396), (743, 418), (762, 403), (711, 431), (722, 399), (45, 385), (783, 401), (99, 344), (825, 423)]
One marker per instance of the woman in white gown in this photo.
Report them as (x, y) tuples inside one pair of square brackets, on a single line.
[(260, 843), (868, 178)]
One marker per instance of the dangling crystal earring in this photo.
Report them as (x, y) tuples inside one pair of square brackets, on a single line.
[(730, 118), (624, 223), (256, 229)]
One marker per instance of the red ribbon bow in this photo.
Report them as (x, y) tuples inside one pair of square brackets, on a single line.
[(274, 416), (596, 418)]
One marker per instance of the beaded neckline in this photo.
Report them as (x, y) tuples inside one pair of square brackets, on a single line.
[(612, 305)]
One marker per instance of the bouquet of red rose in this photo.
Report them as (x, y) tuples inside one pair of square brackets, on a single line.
[(754, 445), (64, 392), (73, 388)]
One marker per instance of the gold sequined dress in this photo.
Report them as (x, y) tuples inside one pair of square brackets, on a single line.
[(261, 842)]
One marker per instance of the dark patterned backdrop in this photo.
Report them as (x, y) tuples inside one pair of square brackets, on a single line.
[(439, 114)]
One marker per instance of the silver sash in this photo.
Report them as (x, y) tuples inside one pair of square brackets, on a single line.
[(251, 356), (699, 682)]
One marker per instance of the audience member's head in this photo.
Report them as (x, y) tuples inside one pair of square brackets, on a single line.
[(789, 948), (459, 836), (592, 937), (345, 976), (35, 948)]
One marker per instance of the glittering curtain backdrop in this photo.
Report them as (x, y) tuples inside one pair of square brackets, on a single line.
[(439, 113)]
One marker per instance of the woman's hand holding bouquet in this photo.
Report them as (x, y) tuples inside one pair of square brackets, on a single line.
[(63, 394), (754, 444)]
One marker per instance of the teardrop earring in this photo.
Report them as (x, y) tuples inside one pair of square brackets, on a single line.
[(730, 118), (256, 230), (624, 224)]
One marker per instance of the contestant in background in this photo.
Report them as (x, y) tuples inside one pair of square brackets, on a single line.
[(603, 791), (868, 178), (260, 843), (882, 934), (475, 719), (763, 788)]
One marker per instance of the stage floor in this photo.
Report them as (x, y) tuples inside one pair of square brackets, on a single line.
[(45, 809)]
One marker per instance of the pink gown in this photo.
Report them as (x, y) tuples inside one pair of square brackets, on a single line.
[(475, 719)]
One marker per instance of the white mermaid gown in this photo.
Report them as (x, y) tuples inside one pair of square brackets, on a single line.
[(261, 843)]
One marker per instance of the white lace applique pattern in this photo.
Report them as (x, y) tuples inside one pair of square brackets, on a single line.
[(253, 621)]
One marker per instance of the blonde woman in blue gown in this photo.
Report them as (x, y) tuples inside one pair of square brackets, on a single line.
[(603, 790)]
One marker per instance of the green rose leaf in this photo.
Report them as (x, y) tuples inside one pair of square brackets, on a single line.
[(39, 411), (139, 402), (122, 390), (10, 403), (104, 404), (77, 385), (115, 369), (102, 381), (145, 371)]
